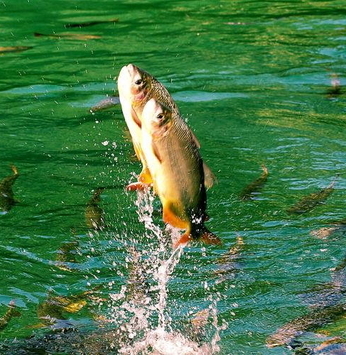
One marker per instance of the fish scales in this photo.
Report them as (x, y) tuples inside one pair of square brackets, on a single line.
[(186, 173)]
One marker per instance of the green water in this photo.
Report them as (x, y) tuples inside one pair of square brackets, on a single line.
[(251, 78)]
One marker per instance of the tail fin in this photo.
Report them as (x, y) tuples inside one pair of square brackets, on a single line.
[(210, 238), (206, 237)]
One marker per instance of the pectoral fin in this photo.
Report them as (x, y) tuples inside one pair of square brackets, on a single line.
[(145, 176), (209, 177), (194, 138)]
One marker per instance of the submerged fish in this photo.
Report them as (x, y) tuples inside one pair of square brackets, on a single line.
[(94, 215), (229, 263), (66, 256), (309, 202), (317, 318), (177, 171), (14, 49), (335, 88), (254, 187), (10, 313), (76, 36), (53, 308), (136, 87), (106, 103), (90, 23), (325, 232), (7, 199)]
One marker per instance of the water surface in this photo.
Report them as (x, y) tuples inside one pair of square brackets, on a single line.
[(252, 79)]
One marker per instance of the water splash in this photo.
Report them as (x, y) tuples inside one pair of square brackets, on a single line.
[(140, 310)]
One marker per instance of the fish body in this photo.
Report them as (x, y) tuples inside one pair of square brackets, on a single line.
[(254, 187), (66, 256), (90, 23), (177, 172), (313, 320), (312, 200), (136, 87), (335, 89), (10, 313), (105, 104), (52, 309), (14, 49), (75, 36), (7, 199)]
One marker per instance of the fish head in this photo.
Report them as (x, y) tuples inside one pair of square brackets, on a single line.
[(156, 118), (133, 83)]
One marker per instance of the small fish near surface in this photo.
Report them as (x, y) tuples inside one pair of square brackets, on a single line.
[(325, 232), (75, 36), (105, 103), (309, 202), (94, 215), (251, 190), (335, 89), (314, 320), (90, 23), (177, 172), (7, 200), (10, 313), (136, 87), (229, 263), (11, 49), (66, 256), (51, 311)]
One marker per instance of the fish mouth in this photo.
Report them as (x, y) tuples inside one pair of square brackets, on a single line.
[(125, 79), (124, 73)]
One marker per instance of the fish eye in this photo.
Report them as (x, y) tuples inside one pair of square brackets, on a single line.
[(160, 116), (139, 81)]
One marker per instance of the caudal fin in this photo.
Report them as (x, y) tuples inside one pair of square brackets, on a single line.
[(210, 238), (206, 237)]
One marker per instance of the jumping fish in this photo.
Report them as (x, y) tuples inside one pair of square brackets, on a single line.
[(136, 87), (176, 168), (254, 187), (7, 199), (309, 202)]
